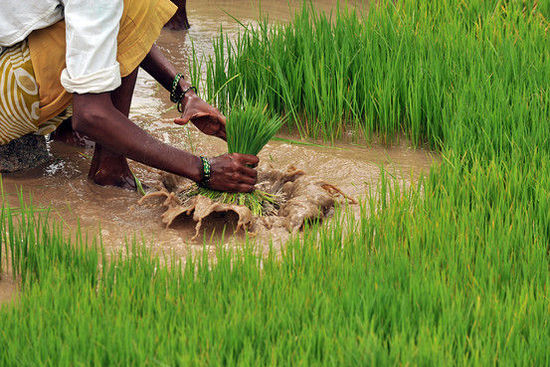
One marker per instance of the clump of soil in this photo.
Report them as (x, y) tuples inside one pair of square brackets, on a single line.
[(302, 198)]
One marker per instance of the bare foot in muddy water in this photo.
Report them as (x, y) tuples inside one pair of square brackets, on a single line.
[(111, 169), (107, 168), (65, 134)]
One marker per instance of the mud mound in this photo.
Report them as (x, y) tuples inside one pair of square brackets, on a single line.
[(302, 198)]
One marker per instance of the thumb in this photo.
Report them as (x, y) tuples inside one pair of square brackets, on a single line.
[(185, 117), (189, 117), (181, 121)]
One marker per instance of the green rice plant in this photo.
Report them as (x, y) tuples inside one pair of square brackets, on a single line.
[(248, 131), (139, 186), (419, 69)]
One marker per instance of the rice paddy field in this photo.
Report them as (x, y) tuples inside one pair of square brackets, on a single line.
[(451, 270)]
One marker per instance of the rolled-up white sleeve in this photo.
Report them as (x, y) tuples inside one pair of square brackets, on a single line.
[(91, 31)]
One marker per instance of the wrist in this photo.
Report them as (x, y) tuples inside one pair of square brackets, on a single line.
[(197, 170), (189, 97)]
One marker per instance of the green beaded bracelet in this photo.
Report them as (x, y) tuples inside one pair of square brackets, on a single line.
[(173, 96), (206, 171)]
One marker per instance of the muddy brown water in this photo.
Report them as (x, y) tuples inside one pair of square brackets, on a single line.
[(115, 214), (8, 289)]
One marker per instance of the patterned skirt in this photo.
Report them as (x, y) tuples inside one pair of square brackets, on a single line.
[(19, 100)]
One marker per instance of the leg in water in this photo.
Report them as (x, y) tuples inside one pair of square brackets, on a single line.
[(108, 167)]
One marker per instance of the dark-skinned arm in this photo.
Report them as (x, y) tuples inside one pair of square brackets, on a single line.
[(95, 116)]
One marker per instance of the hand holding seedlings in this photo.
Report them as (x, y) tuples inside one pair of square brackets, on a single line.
[(248, 131), (205, 117), (232, 172)]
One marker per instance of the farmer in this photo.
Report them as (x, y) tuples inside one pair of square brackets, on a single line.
[(55, 54)]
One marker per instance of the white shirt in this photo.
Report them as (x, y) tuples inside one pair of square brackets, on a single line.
[(92, 29)]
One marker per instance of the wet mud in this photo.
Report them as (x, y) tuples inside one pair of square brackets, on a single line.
[(297, 199), (8, 289)]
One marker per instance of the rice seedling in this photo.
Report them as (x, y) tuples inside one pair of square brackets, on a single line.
[(248, 131), (139, 186)]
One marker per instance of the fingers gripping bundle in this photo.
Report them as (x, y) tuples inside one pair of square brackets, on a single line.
[(248, 131)]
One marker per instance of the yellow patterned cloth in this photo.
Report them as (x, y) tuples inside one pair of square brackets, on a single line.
[(19, 99), (32, 99)]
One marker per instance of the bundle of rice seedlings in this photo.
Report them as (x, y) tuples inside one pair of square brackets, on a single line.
[(248, 131)]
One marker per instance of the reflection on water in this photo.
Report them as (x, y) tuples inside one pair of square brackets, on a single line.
[(114, 212)]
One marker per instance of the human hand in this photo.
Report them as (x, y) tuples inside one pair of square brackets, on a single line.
[(205, 117), (233, 173)]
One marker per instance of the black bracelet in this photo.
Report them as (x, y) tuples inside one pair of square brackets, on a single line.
[(206, 171), (180, 107), (173, 96)]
